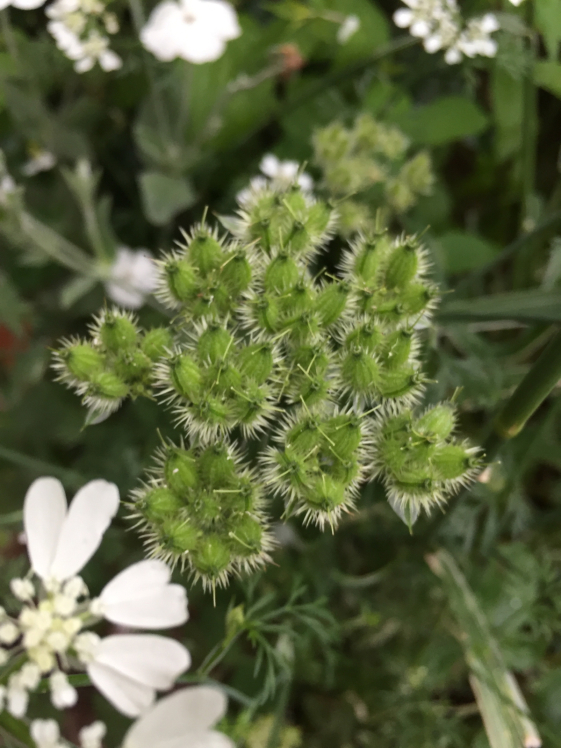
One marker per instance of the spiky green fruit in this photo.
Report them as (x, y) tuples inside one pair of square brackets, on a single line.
[(118, 333), (180, 470), (181, 278), (83, 361), (157, 342), (160, 502)]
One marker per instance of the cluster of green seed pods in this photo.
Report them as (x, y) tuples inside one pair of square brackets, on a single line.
[(284, 380)]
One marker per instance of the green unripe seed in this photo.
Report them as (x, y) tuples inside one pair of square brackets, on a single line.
[(450, 462), (211, 557), (439, 421), (246, 537), (216, 467), (186, 377), (304, 436), (416, 298), (118, 333), (370, 258), (324, 494), (256, 362), (83, 361), (292, 469), (214, 342), (181, 279), (236, 272), (160, 502), (109, 385), (343, 436), (360, 372), (331, 302), (402, 266), (397, 349), (223, 377), (213, 411), (367, 336), (313, 390), (180, 470), (267, 314), (134, 367), (179, 536), (250, 404), (156, 342), (209, 509), (399, 382), (281, 273), (299, 300), (205, 252)]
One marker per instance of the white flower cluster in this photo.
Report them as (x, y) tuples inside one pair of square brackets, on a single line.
[(80, 29), (276, 173), (184, 719), (49, 630), (440, 25)]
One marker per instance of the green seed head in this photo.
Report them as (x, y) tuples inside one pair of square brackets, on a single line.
[(246, 537), (402, 266), (159, 503), (180, 470), (211, 557), (438, 421), (181, 279), (108, 385), (156, 342), (118, 333), (205, 251), (178, 536), (186, 377)]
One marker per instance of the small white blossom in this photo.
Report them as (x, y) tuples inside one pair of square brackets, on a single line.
[(40, 161), (45, 733), (348, 28), (281, 173), (63, 695), (8, 633), (195, 30), (18, 700), (132, 277), (92, 735), (23, 589), (181, 720), (80, 28), (517, 2), (7, 188)]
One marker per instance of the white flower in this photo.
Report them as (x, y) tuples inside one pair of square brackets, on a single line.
[(517, 2), (195, 30), (21, 4), (128, 669), (45, 733), (182, 720), (8, 633), (7, 188), (63, 695), (281, 173), (23, 589), (141, 596), (92, 735), (133, 276), (350, 26), (41, 161), (61, 539)]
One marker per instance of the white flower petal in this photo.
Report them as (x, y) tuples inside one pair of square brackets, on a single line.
[(270, 165), (89, 515), (176, 717), (127, 695), (200, 45), (27, 4), (146, 658), (141, 596), (219, 16), (211, 739), (44, 510), (403, 18)]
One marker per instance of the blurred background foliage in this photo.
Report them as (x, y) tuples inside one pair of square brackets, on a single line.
[(348, 639)]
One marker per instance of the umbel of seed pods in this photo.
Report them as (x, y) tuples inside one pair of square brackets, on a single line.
[(322, 370)]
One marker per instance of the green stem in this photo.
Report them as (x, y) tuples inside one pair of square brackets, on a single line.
[(16, 729), (280, 710), (55, 246), (69, 477), (12, 518), (531, 392), (529, 127)]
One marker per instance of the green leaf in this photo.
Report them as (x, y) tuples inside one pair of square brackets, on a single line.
[(508, 111), (548, 21), (548, 75), (443, 121), (523, 306), (374, 30), (163, 197), (12, 308), (461, 252)]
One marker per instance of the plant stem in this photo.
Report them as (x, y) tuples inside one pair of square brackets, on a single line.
[(531, 392), (72, 479), (529, 128), (16, 730), (12, 518)]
